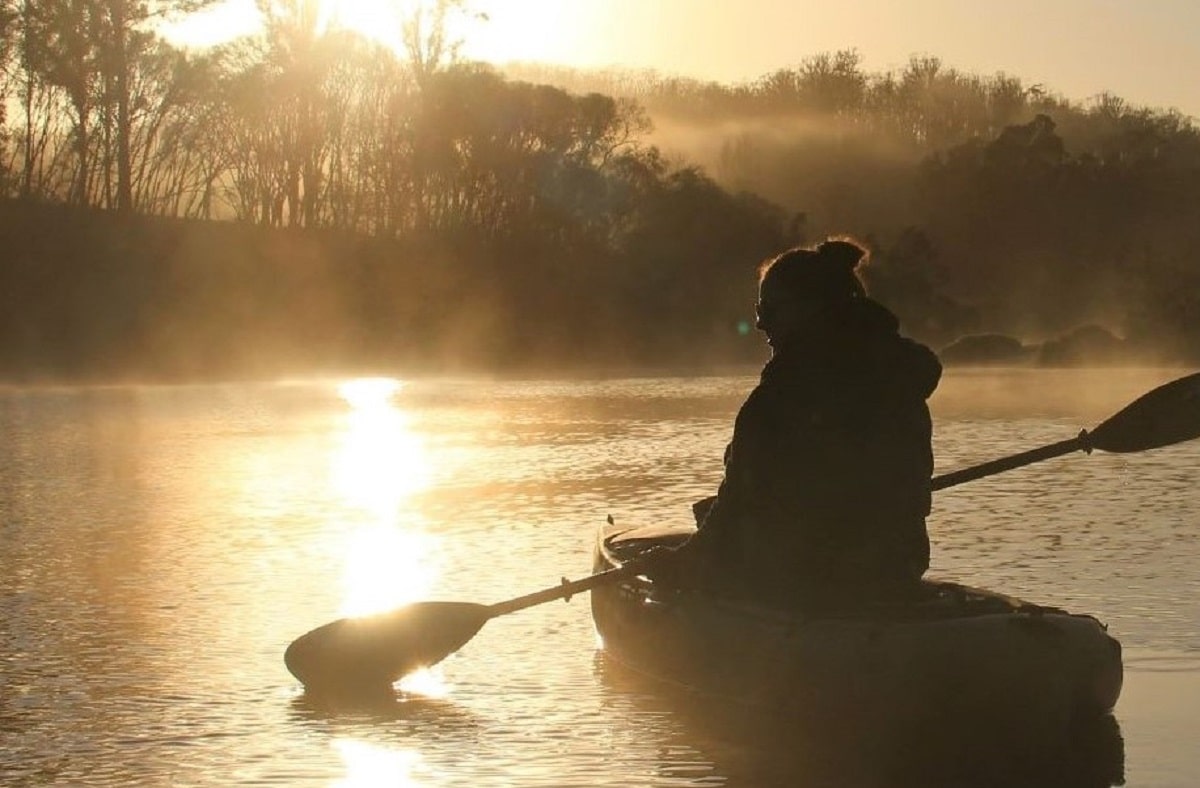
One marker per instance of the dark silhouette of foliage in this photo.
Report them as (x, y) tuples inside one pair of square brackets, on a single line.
[(1044, 240), (909, 277), (1084, 345), (986, 349)]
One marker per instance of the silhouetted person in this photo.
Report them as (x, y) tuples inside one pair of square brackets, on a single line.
[(827, 477)]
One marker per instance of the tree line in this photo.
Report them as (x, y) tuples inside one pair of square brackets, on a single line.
[(548, 209), (991, 205)]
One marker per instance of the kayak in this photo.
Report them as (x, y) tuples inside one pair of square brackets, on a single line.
[(955, 653)]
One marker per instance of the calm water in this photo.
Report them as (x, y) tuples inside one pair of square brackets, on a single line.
[(161, 546)]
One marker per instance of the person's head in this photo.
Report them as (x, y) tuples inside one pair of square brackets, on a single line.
[(803, 287)]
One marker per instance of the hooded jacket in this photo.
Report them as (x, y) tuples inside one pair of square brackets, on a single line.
[(827, 477)]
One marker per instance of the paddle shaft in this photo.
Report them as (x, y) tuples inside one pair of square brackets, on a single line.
[(1078, 443), (566, 590)]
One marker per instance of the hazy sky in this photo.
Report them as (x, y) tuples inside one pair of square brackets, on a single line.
[(1147, 51)]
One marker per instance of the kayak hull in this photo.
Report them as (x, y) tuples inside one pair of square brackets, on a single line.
[(960, 653)]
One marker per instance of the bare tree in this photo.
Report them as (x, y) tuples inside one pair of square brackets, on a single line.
[(428, 42), (126, 37)]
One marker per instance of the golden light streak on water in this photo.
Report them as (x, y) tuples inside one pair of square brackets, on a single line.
[(427, 682), (381, 461), (379, 465), (386, 566), (369, 393), (372, 765)]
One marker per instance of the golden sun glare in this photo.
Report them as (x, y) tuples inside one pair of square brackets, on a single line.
[(379, 464), (494, 31), (370, 764), (377, 20), (491, 30)]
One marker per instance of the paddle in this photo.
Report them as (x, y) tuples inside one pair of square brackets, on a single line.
[(371, 653), (1167, 415)]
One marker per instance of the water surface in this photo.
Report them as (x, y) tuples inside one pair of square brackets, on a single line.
[(163, 545)]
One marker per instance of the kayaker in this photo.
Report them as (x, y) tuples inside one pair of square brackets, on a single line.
[(827, 477)]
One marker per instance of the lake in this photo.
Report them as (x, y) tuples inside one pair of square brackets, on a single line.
[(162, 545)]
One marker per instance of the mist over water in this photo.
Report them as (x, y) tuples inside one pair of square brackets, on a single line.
[(163, 545)]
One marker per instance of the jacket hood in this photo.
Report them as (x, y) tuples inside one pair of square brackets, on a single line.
[(862, 340)]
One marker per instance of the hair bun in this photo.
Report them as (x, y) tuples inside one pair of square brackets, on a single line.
[(842, 253), (824, 273)]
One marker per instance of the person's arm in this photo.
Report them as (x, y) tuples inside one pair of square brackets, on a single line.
[(721, 512), (716, 541), (702, 507)]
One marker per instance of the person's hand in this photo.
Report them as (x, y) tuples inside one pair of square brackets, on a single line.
[(662, 564), (701, 508)]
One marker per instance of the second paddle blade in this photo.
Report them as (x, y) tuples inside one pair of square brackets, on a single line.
[(372, 652), (1167, 415)]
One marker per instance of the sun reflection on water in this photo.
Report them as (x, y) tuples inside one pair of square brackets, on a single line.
[(380, 464), (381, 460), (426, 682), (386, 566), (371, 765)]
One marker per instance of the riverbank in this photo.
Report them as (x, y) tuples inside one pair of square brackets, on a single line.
[(89, 296)]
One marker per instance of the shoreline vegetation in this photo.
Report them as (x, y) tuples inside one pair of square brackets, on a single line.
[(307, 201), (92, 296)]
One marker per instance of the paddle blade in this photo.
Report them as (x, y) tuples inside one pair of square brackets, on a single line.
[(1167, 415), (373, 652)]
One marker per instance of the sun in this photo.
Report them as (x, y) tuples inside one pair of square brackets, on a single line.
[(377, 20), (215, 24), (496, 31), (383, 21), (548, 31)]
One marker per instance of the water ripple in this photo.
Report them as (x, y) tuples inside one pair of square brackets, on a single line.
[(163, 545)]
